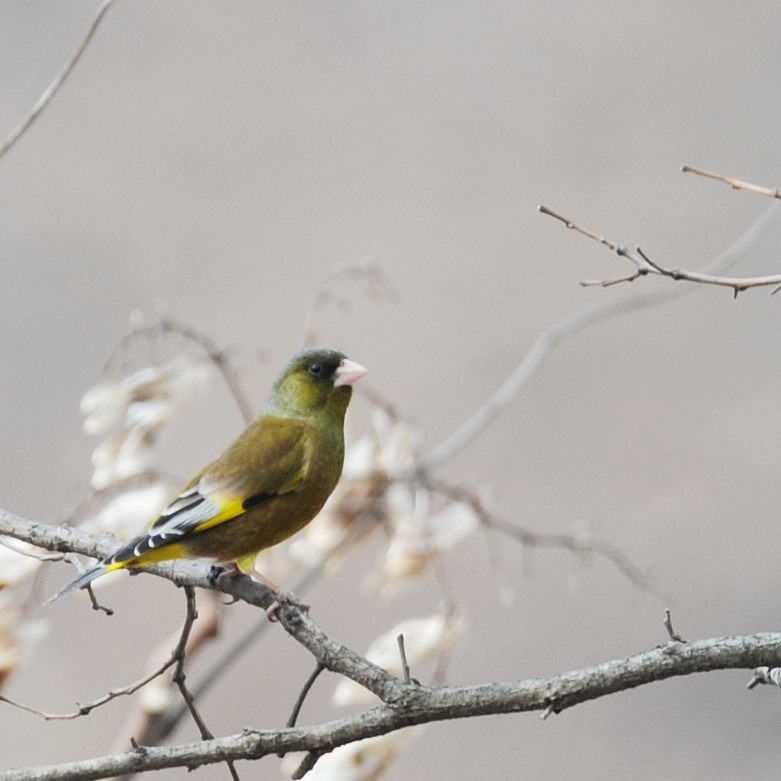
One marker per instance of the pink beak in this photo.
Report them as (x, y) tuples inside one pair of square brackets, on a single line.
[(348, 373)]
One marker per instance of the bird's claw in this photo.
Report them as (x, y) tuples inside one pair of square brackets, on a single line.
[(284, 598), (219, 571)]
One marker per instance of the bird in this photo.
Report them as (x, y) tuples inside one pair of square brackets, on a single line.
[(267, 485)]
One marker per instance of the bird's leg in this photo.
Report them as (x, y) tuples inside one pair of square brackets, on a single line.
[(283, 597)]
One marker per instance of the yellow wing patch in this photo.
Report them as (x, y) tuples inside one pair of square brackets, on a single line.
[(229, 508)]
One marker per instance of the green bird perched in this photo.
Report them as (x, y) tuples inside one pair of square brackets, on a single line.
[(266, 486)]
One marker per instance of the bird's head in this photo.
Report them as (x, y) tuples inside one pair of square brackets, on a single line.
[(316, 381)]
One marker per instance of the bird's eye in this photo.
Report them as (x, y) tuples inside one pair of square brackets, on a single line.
[(315, 369)]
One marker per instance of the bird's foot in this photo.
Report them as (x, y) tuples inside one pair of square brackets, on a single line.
[(220, 571)]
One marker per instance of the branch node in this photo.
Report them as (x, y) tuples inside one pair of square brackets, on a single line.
[(668, 625), (139, 749), (95, 604), (403, 655), (549, 711), (769, 675)]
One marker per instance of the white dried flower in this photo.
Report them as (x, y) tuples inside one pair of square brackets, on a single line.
[(419, 536), (363, 760), (276, 563), (137, 406), (127, 514), (157, 696), (15, 565), (154, 393), (318, 540), (17, 636), (423, 639), (398, 444), (126, 454), (359, 459)]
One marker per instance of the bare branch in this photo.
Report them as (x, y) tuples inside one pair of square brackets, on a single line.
[(160, 725), (55, 85), (176, 658), (420, 704), (644, 265), (95, 604), (296, 622), (179, 678), (143, 724), (735, 184), (574, 325), (403, 704)]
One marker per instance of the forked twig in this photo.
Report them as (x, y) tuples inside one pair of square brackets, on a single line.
[(83, 709)]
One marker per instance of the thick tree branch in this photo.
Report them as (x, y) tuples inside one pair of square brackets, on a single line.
[(403, 704), (419, 704), (333, 655)]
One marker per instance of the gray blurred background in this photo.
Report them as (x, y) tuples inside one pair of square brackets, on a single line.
[(217, 161)]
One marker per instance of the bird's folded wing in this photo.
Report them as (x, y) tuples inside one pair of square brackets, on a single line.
[(274, 459)]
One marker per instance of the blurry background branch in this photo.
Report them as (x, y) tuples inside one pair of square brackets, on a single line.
[(573, 325), (58, 81)]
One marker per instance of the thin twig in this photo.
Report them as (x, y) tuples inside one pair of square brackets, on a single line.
[(306, 764), (302, 695), (403, 654), (668, 625), (140, 724), (735, 184), (574, 325), (291, 722), (95, 604), (179, 678), (85, 708), (55, 85), (644, 266)]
